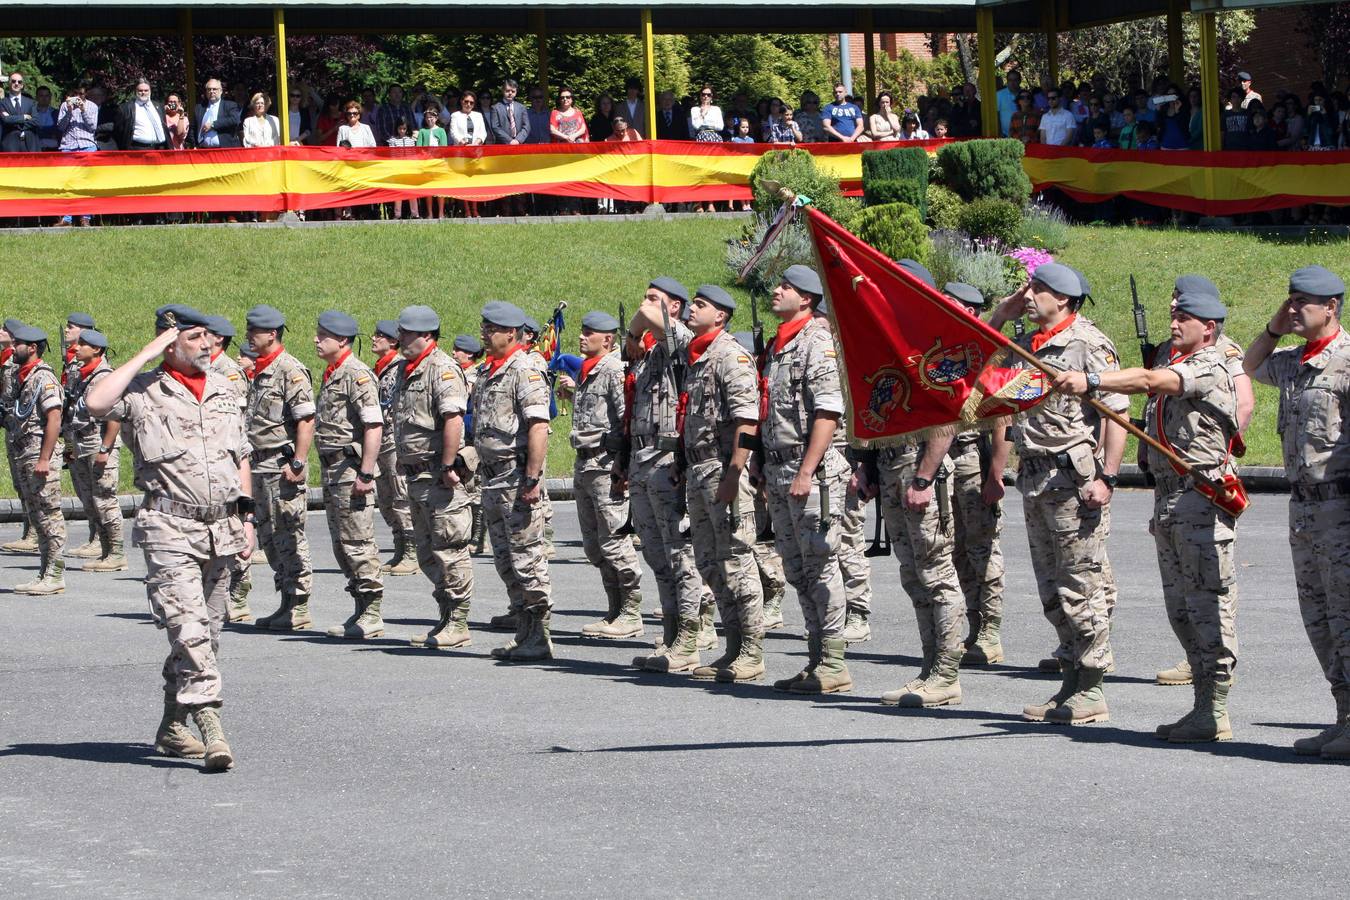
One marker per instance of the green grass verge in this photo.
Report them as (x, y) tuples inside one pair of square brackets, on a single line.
[(371, 271)]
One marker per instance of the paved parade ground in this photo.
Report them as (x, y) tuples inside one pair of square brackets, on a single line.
[(379, 770)]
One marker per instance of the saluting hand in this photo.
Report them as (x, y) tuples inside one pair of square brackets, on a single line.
[(1283, 321)]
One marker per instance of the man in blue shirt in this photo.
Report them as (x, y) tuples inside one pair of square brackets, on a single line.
[(842, 119), (1007, 101)]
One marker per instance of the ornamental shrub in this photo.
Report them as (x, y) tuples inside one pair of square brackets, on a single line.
[(955, 257), (796, 170), (897, 175), (1045, 227), (989, 217), (792, 247), (895, 229), (944, 207), (986, 168)]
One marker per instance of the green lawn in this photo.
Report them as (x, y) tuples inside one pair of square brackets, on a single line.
[(121, 275)]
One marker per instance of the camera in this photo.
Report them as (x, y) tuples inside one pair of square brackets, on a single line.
[(1164, 99), (1314, 108)]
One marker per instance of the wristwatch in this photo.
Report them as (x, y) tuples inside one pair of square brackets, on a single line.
[(250, 519), (297, 466), (919, 483), (365, 477), (107, 450), (1111, 480), (1094, 381), (529, 482)]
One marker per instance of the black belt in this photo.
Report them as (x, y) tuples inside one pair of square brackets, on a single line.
[(144, 145), (501, 466), (592, 452), (188, 510), (258, 456), (414, 469), (1323, 490), (330, 457), (703, 454), (778, 457), (1047, 461)]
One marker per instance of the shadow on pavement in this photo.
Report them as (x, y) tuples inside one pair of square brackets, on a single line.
[(102, 751)]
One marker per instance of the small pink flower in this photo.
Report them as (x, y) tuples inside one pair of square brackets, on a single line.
[(1031, 258)]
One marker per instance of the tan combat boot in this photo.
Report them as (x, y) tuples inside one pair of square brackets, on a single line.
[(455, 634), (112, 560), (265, 622), (405, 557), (522, 630), (748, 664), (709, 672), (1163, 732), (628, 623), (1048, 665), (508, 622), (537, 645), (1068, 686), (92, 550), (942, 687), (987, 648), (1178, 674), (707, 634), (773, 612), (258, 557), (27, 543), (237, 609), (592, 629), (682, 654), (831, 674), (1086, 705), (669, 628), (370, 624), (813, 652), (338, 631), (856, 627), (218, 755), (1312, 746), (1210, 721), (295, 617), (53, 580), (174, 738), (1338, 748), (976, 620), (443, 607), (892, 698)]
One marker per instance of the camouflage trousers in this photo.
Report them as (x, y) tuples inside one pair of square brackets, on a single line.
[(977, 554), (1068, 549), (1317, 532), (351, 528), (853, 562), (96, 489), (42, 500), (658, 513), (601, 516), (442, 526), (772, 581), (16, 478), (516, 529), (391, 494), (187, 595), (723, 542), (922, 541), (1195, 558), (281, 509), (808, 539)]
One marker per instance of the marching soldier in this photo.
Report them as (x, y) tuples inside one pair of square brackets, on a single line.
[(280, 430), (654, 474), (772, 580), (35, 429), (978, 460), (191, 456), (1314, 385), (1069, 464), (391, 488), (430, 397), (468, 353), (9, 388), (1193, 408), (597, 433), (93, 454), (510, 403), (220, 332), (530, 337), (76, 323), (807, 475)]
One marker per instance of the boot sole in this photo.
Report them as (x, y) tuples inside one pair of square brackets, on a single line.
[(242, 620), (734, 680), (1218, 738), (617, 637), (42, 593), (174, 754), (1086, 720), (950, 701), (220, 761), (439, 646), (298, 626), (1173, 682), (364, 636)]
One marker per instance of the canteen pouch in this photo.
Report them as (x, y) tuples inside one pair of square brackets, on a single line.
[(1084, 463)]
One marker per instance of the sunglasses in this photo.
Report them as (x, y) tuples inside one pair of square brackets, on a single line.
[(565, 97), (353, 113), (706, 94)]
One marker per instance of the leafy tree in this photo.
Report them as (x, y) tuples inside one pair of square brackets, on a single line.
[(767, 65), (1327, 27)]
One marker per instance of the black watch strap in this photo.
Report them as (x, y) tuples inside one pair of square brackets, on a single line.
[(920, 483)]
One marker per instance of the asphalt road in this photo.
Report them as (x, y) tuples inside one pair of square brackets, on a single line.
[(378, 770)]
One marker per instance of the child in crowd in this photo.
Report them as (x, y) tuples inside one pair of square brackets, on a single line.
[(403, 139), (742, 134), (1100, 135)]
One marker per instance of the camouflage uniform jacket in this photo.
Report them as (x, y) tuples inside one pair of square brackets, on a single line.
[(723, 389), (802, 379), (280, 396), (84, 433), (656, 397), (348, 404), (1314, 401), (36, 395), (597, 414), (505, 402), (1199, 423), (423, 399)]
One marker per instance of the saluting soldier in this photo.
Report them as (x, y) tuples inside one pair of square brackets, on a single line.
[(510, 424), (1314, 385), (220, 332), (35, 430), (280, 430), (348, 427), (721, 422), (1070, 458), (391, 488), (807, 474), (92, 450), (9, 386), (430, 397), (1193, 410), (467, 352), (191, 455), (597, 436)]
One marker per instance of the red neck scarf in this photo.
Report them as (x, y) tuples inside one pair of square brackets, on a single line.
[(263, 362), (1042, 337), (494, 363), (466, 366), (5, 354), (414, 363), (385, 361), (588, 364), (27, 368), (1312, 348), (648, 341), (88, 369), (699, 345), (216, 355), (789, 330), (193, 381), (70, 353), (332, 367)]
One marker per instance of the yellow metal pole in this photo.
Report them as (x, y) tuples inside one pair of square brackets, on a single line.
[(1209, 80), (1176, 61), (648, 76), (984, 27), (189, 58), (539, 24), (1050, 25), (869, 59), (283, 93)]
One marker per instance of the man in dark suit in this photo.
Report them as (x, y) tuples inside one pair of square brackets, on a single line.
[(139, 124), (216, 121), (672, 124), (17, 124)]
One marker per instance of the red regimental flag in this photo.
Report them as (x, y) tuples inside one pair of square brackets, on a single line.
[(912, 359)]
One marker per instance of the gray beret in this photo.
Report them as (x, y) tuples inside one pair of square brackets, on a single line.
[(746, 339), (11, 324), (1195, 284), (418, 319), (94, 338), (919, 271), (1202, 306), (1082, 283), (671, 287), (248, 351), (507, 315), (1059, 278), (1317, 281), (388, 328), (716, 296), (220, 326), (28, 334), (1244, 76), (467, 343), (965, 293), (597, 320), (178, 315), (531, 324), (265, 317), (338, 323), (83, 320), (804, 279)]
